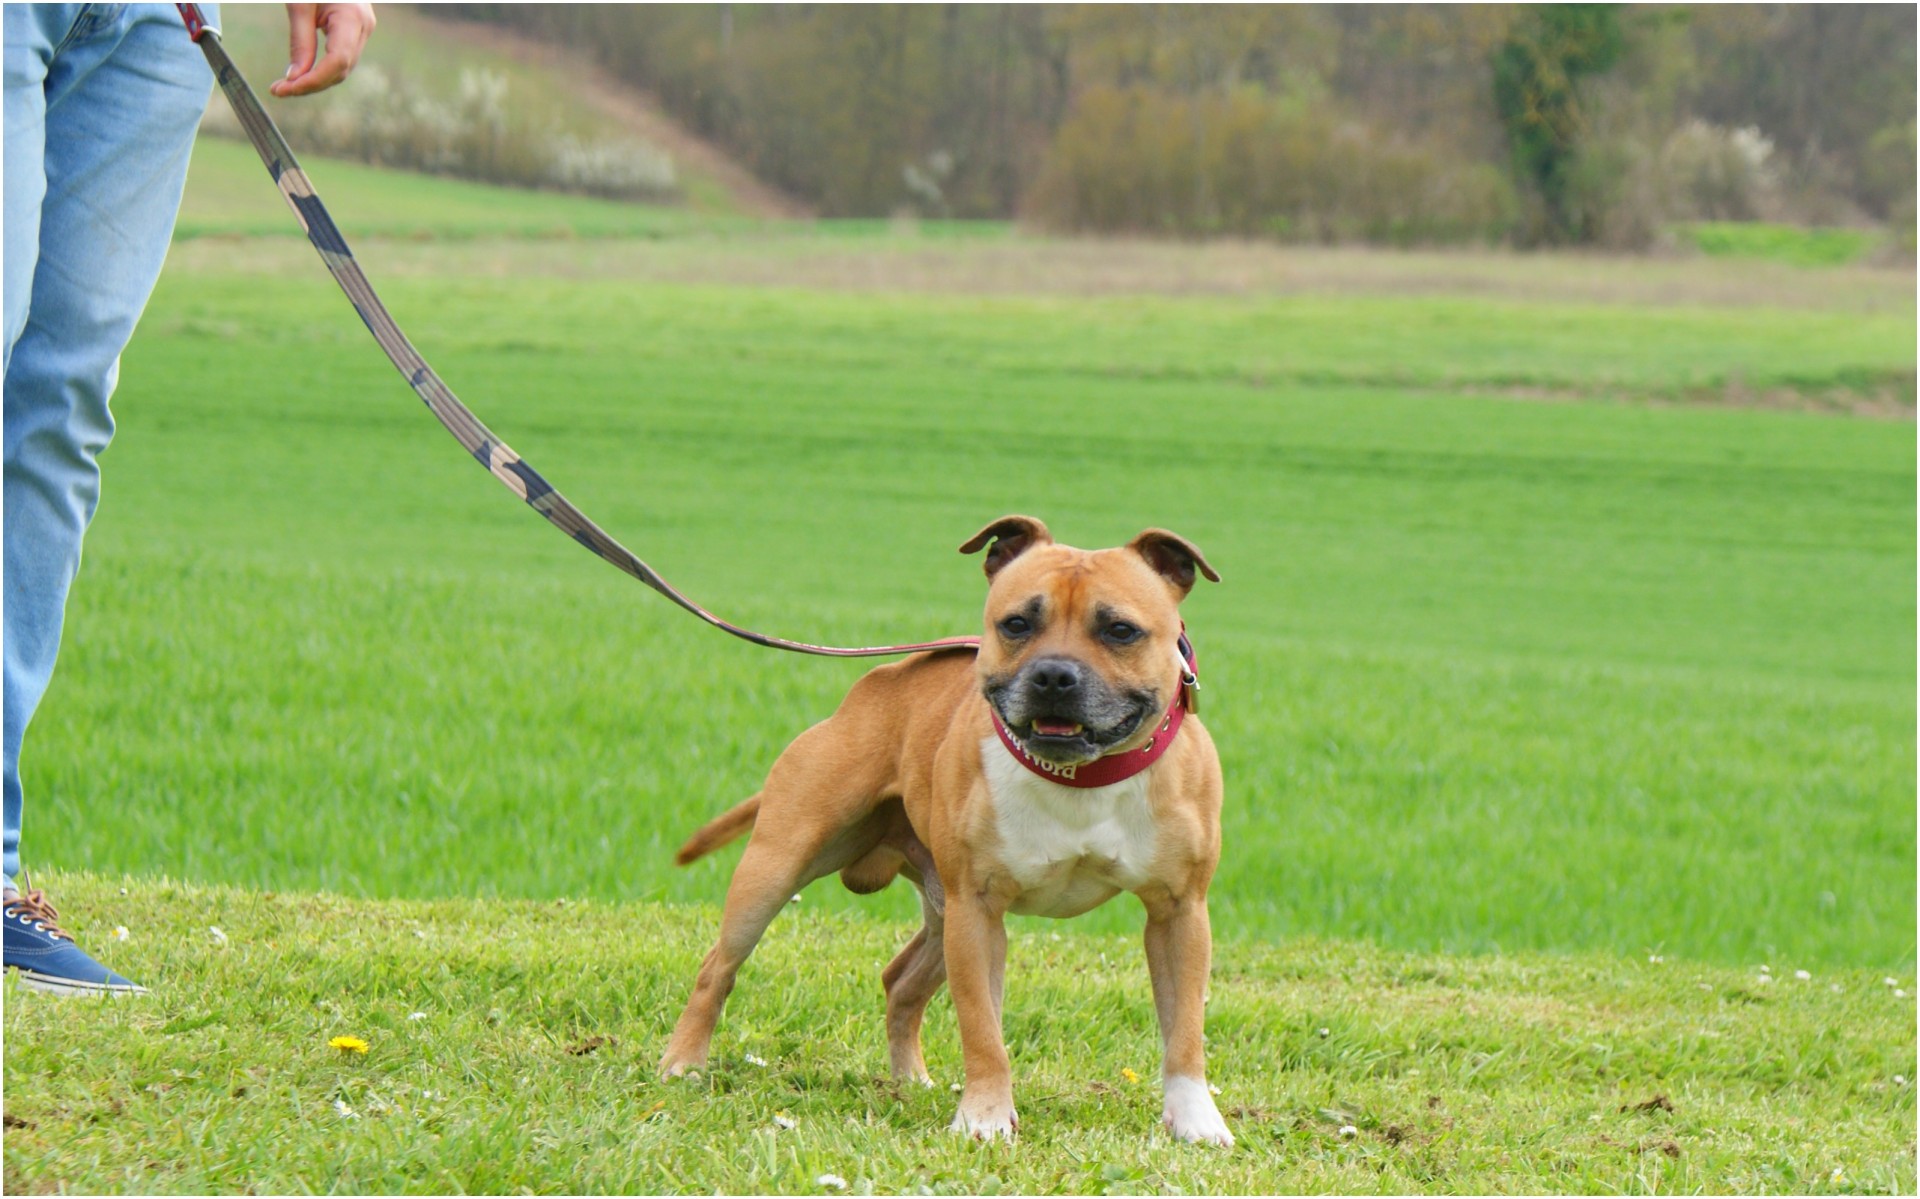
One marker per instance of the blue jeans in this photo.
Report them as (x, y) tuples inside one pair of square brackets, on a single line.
[(102, 101)]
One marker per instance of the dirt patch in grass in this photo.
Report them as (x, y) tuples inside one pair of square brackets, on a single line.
[(790, 257), (1100, 267), (1892, 399)]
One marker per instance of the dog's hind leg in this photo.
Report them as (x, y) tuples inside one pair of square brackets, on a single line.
[(763, 884), (912, 979), (812, 821)]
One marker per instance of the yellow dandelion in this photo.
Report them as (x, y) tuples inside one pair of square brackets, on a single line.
[(1129, 1075), (348, 1044)]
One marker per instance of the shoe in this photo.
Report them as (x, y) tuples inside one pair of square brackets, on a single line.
[(46, 956)]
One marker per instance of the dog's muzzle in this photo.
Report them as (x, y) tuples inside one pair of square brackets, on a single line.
[(1064, 712)]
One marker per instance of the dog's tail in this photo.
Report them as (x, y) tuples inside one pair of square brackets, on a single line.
[(718, 831)]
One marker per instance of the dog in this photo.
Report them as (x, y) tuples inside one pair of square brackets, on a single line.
[(980, 777)]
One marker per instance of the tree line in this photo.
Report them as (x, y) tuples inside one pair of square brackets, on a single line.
[(1530, 124)]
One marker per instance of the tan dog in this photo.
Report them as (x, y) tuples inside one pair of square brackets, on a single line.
[(909, 777)]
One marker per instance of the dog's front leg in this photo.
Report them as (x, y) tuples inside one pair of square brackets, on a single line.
[(976, 945), (1179, 954)]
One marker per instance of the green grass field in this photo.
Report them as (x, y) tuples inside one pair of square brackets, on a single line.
[(510, 1048), (1781, 243), (229, 196), (1532, 642)]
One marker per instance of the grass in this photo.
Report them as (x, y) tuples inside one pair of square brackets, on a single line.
[(229, 195), (511, 1045), (1489, 674), (1781, 243), (1512, 696)]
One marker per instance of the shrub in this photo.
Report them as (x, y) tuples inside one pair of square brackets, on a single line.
[(1245, 163), (1713, 173), (1887, 175)]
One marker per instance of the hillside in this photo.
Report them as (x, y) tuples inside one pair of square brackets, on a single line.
[(522, 94)]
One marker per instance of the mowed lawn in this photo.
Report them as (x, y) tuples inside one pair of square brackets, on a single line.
[(510, 1048), (1521, 645), (1566, 704)]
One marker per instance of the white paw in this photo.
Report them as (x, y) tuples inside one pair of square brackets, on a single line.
[(986, 1122), (1190, 1113)]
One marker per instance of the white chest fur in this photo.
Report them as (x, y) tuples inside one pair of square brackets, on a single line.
[(1070, 849)]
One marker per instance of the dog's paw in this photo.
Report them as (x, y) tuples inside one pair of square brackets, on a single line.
[(671, 1067), (986, 1121), (1191, 1115)]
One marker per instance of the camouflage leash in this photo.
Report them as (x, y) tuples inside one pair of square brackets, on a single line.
[(478, 440)]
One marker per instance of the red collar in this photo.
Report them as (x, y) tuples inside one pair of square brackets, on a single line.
[(1113, 768)]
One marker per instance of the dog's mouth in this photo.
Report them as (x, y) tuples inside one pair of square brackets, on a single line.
[(1068, 742), (1092, 720), (1047, 726)]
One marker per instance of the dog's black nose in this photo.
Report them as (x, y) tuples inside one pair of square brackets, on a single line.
[(1054, 676)]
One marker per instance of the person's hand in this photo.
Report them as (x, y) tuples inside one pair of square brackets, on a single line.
[(347, 27)]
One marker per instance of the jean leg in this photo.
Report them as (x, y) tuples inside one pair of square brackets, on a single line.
[(123, 91), (32, 31)]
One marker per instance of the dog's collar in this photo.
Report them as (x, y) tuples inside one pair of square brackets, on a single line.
[(1115, 768)]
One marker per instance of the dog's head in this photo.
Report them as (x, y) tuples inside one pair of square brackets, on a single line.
[(1080, 656)]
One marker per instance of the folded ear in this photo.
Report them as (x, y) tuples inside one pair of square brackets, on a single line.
[(1172, 557), (1011, 537)]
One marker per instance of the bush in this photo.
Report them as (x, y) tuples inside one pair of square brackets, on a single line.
[(1887, 176), (1141, 160), (1713, 173)]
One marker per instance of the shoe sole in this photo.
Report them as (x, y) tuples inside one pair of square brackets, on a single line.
[(53, 984)]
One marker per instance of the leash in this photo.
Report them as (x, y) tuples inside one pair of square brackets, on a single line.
[(514, 472)]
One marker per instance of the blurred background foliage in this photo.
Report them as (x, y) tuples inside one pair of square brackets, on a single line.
[(1607, 126)]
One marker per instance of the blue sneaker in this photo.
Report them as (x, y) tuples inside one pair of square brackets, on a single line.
[(46, 956)]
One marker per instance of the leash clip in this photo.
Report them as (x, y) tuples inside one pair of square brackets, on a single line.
[(1189, 669)]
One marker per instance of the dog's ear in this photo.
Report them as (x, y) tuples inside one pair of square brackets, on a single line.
[(1011, 537), (1173, 558)]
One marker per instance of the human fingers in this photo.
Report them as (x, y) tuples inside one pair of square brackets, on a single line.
[(347, 28), (301, 41)]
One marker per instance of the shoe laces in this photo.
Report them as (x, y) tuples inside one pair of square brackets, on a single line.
[(33, 907)]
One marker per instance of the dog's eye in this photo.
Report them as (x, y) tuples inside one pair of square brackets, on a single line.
[(1016, 626), (1122, 633)]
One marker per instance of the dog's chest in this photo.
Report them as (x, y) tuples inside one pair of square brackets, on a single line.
[(1068, 849)]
